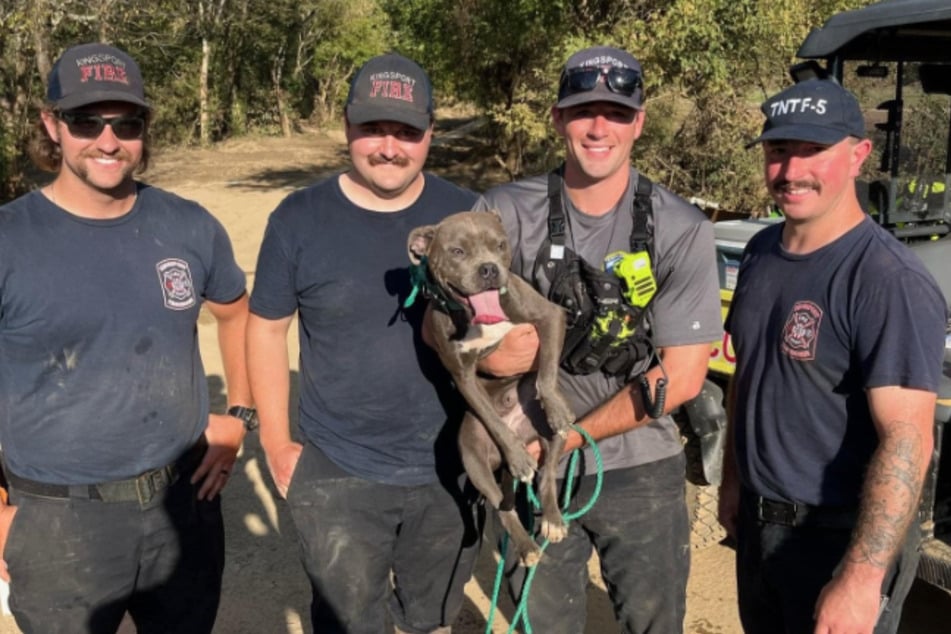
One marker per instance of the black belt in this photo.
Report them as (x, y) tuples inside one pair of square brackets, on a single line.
[(142, 488), (794, 514)]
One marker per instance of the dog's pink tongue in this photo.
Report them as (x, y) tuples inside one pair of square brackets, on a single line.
[(487, 308)]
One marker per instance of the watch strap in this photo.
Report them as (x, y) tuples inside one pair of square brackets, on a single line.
[(247, 415)]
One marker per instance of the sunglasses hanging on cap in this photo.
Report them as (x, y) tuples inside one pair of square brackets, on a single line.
[(623, 81), (85, 125)]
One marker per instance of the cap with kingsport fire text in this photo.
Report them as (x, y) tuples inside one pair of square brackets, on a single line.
[(92, 73), (391, 88), (816, 110)]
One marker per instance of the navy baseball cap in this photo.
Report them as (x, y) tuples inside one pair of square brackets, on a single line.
[(816, 110), (601, 73), (92, 73), (391, 88)]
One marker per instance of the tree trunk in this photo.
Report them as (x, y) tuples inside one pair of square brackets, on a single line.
[(203, 105), (277, 70)]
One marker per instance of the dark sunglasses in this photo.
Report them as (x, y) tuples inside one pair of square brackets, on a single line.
[(85, 125), (623, 81)]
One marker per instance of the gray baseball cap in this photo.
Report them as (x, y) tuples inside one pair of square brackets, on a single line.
[(601, 73), (92, 73)]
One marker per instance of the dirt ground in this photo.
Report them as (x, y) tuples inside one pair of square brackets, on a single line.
[(265, 589)]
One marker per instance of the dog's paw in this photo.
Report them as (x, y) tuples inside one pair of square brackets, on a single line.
[(554, 530), (521, 464), (559, 415), (529, 558)]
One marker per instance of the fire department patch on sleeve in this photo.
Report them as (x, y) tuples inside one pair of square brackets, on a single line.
[(176, 280), (801, 333)]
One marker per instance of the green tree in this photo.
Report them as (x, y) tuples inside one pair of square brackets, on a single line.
[(228, 67)]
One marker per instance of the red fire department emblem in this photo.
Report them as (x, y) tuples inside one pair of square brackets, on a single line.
[(176, 280), (801, 332)]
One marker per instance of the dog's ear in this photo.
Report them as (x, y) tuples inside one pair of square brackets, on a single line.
[(419, 240)]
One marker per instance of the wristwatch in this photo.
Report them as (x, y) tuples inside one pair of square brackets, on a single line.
[(247, 415)]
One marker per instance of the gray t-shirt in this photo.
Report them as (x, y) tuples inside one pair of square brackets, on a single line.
[(685, 310), (100, 373)]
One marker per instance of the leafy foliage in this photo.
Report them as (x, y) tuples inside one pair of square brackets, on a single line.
[(276, 65)]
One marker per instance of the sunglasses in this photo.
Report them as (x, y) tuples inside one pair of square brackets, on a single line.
[(85, 125), (623, 81)]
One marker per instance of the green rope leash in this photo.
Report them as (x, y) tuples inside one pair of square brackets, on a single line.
[(521, 612)]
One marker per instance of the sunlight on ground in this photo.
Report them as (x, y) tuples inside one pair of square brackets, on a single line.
[(253, 470)]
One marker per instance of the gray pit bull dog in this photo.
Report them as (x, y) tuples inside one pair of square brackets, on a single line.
[(474, 302)]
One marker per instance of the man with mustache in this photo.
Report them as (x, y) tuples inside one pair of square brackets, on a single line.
[(113, 459), (387, 534), (839, 338)]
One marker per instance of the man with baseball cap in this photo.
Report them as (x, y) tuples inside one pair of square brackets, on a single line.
[(592, 211), (387, 534), (839, 338), (113, 460)]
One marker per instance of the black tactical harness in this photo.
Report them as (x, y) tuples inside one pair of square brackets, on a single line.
[(604, 331)]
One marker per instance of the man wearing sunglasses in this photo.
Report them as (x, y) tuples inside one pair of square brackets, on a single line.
[(113, 459), (600, 202)]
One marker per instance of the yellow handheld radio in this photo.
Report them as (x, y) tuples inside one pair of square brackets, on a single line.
[(635, 272)]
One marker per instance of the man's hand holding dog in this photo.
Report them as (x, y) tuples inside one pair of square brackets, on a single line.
[(517, 353)]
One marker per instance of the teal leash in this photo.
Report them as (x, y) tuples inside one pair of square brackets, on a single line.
[(521, 612)]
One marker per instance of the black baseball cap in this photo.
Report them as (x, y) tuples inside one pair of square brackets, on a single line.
[(92, 73), (629, 93), (391, 88), (816, 110)]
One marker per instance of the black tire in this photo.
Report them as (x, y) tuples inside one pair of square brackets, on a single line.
[(702, 498)]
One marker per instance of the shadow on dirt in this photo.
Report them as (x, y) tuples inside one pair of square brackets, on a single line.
[(264, 588)]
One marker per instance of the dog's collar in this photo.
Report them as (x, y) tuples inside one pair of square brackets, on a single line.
[(421, 281)]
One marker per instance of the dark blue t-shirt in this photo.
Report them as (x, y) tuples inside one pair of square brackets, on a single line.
[(812, 333), (100, 373), (373, 396)]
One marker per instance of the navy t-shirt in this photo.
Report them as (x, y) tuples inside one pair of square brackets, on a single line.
[(812, 333), (373, 396), (100, 373)]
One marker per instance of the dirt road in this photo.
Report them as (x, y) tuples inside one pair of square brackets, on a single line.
[(265, 590)]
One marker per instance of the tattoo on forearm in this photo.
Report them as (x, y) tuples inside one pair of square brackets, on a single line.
[(890, 496)]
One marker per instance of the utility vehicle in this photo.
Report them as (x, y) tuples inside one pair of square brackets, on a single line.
[(895, 56)]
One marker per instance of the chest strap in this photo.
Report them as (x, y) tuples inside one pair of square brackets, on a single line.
[(642, 212)]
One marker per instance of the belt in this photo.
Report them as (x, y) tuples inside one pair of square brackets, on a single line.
[(794, 514), (142, 488)]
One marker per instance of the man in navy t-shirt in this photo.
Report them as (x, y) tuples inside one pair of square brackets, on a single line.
[(373, 485), (839, 337), (113, 460)]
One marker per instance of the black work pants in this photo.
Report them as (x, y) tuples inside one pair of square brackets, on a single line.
[(781, 569), (78, 565)]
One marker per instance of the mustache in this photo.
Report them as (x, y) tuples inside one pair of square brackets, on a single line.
[(121, 155), (801, 184), (399, 161)]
